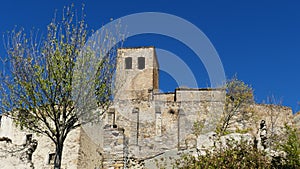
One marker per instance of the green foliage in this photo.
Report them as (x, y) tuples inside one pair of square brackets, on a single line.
[(46, 84), (236, 155), (243, 155), (243, 131), (238, 92), (291, 147), (238, 98), (197, 127)]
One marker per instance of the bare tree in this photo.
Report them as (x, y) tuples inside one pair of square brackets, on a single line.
[(48, 85), (273, 115)]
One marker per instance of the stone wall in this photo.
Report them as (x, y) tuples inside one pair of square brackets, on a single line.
[(163, 97), (275, 116), (113, 148), (166, 122), (89, 152), (262, 120), (296, 121), (14, 156), (9, 129), (45, 147)]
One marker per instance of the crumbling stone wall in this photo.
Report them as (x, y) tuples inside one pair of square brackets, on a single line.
[(275, 117), (154, 126), (296, 121), (14, 156), (113, 147), (45, 147)]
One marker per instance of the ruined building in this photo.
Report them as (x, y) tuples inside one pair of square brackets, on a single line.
[(142, 123)]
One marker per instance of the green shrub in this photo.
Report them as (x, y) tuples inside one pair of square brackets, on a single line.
[(291, 147), (243, 155), (236, 155)]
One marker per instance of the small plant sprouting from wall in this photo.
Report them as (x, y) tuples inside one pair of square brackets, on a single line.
[(197, 127)]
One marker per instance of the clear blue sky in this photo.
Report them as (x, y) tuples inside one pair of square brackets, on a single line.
[(258, 40)]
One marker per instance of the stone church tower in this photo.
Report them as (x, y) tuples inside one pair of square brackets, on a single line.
[(137, 73)]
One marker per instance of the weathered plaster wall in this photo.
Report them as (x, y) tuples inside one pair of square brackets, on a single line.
[(89, 153), (10, 130), (45, 146), (14, 156)]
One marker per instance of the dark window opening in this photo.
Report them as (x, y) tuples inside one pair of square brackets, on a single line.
[(51, 158), (172, 111), (0, 120), (28, 138), (128, 63), (141, 63)]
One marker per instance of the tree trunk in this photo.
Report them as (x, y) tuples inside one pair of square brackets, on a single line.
[(58, 153)]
